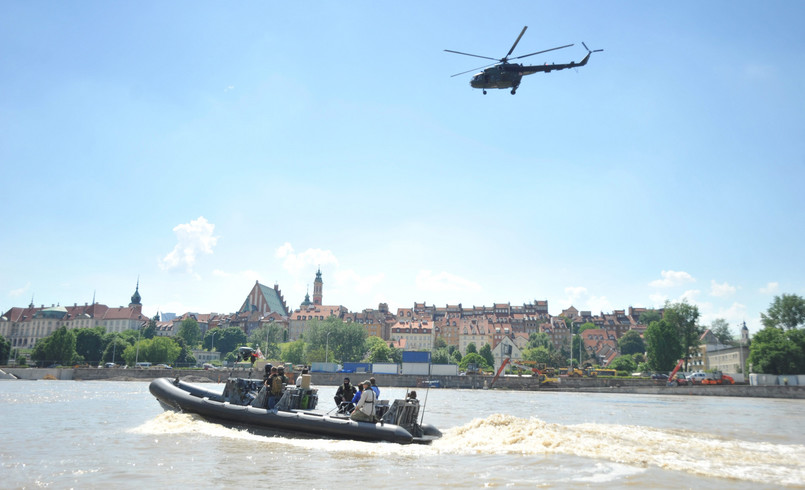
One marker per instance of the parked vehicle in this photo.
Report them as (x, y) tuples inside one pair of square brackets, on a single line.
[(696, 378), (660, 376)]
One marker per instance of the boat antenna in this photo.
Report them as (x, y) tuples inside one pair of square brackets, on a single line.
[(424, 403)]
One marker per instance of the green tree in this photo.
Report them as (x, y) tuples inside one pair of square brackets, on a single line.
[(474, 358), (114, 350), (190, 331), (663, 348), (539, 354), (150, 330), (159, 350), (683, 316), (785, 312), (471, 349), (624, 363), (721, 330), (631, 343), (5, 350), (58, 347), (540, 339), (186, 357), (649, 316), (89, 343), (293, 352), (455, 357), (269, 337), (774, 351), (224, 339), (380, 351), (587, 326), (439, 343), (346, 342), (486, 353), (440, 356)]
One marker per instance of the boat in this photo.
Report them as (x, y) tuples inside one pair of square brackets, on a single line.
[(242, 405)]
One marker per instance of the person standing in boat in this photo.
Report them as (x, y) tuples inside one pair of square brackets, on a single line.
[(365, 409), (375, 388), (344, 393), (274, 386)]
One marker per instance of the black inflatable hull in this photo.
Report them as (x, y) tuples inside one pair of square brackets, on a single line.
[(190, 398)]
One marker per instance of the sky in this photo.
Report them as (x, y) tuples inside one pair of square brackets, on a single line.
[(201, 146)]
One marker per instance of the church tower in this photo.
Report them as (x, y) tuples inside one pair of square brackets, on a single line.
[(135, 298), (317, 284)]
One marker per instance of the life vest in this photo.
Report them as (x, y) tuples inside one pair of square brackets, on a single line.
[(276, 386)]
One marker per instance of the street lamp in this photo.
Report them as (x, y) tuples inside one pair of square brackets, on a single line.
[(137, 356), (327, 346), (212, 342)]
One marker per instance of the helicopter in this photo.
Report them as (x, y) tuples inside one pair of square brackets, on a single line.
[(503, 74)]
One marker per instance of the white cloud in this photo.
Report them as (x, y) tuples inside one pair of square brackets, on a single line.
[(574, 294), (690, 296), (426, 280), (349, 279), (193, 238), (735, 314), (771, 288), (295, 263), (657, 299), (20, 291), (721, 290), (672, 278), (247, 275), (229, 87)]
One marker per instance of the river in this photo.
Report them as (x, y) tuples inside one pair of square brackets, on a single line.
[(110, 434)]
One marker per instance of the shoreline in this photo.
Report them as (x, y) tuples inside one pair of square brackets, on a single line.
[(624, 385)]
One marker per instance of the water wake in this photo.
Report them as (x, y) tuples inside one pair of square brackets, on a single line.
[(697, 453)]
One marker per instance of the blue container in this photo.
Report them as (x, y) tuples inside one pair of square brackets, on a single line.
[(416, 356), (357, 367)]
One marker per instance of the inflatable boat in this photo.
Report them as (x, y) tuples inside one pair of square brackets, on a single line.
[(242, 405)]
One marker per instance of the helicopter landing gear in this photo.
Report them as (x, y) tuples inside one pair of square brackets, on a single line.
[(484, 92), (514, 91)]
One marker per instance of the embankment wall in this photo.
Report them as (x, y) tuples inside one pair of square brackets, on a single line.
[(525, 383)]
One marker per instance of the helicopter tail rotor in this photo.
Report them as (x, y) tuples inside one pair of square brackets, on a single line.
[(590, 50)]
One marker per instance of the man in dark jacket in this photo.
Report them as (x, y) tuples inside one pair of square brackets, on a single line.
[(344, 393)]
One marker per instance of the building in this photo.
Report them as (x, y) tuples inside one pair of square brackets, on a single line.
[(23, 327)]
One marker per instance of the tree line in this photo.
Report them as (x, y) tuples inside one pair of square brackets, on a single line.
[(779, 348)]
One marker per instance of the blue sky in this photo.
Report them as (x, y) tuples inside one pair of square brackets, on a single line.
[(201, 146)]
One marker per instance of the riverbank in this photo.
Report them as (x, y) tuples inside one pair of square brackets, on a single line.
[(641, 386)]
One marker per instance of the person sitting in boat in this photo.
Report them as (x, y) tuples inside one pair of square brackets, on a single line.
[(375, 388), (355, 399), (344, 393), (299, 378), (411, 395), (365, 409)]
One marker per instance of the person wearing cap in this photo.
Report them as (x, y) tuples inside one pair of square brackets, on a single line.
[(365, 409), (344, 393)]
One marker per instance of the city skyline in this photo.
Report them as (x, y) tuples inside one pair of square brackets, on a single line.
[(202, 146)]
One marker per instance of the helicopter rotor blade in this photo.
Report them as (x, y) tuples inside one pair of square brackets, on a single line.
[(543, 51), (468, 54), (479, 68), (588, 49), (515, 44)]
